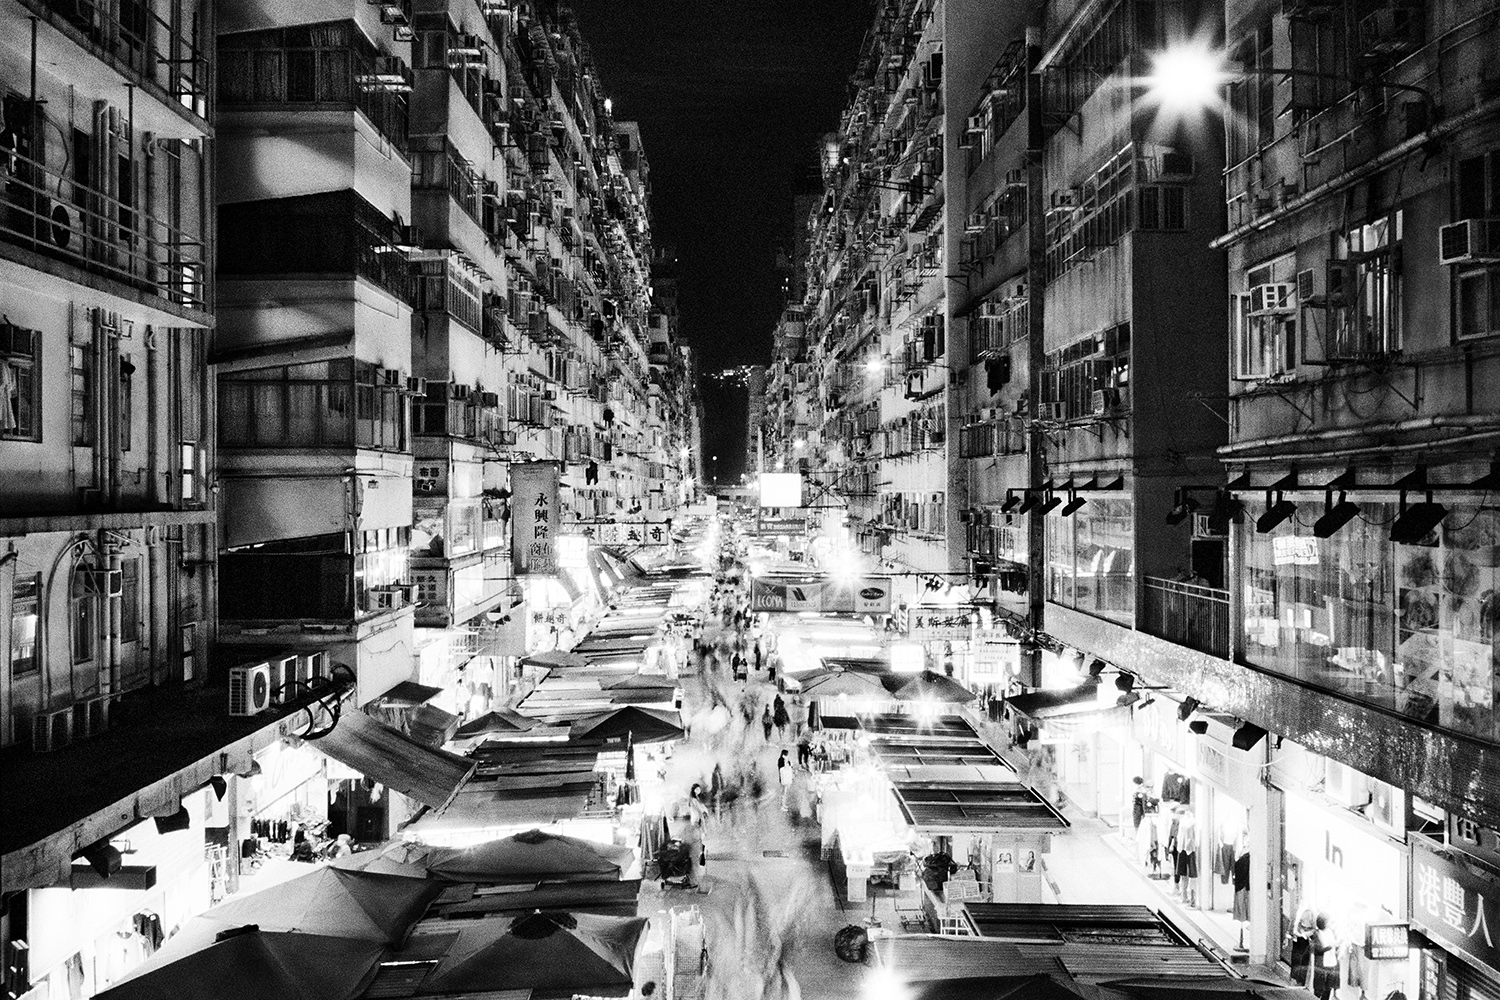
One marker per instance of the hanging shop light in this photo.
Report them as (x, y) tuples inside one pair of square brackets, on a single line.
[(1182, 506), (1335, 515), (1275, 513), (1413, 523)]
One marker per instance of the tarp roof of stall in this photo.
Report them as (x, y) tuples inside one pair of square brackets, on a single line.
[(432, 777), (609, 896), (940, 807), (1042, 704), (1059, 922), (907, 751), (926, 958)]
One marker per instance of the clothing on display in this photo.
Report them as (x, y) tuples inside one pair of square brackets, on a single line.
[(1176, 788), (1241, 876), (148, 926)]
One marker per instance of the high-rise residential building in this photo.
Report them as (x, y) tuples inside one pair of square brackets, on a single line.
[(1225, 451)]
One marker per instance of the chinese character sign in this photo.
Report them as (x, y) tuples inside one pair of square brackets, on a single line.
[(1454, 905), (535, 511)]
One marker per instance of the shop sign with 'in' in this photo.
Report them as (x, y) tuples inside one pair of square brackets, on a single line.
[(1455, 904)]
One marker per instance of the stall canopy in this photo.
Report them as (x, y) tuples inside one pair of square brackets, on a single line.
[(1041, 986), (330, 901), (1199, 988), (1049, 704), (577, 952), (498, 722), (430, 776), (555, 658), (531, 857), (848, 683), (973, 807), (251, 964), (929, 686), (643, 725), (608, 898), (409, 694)]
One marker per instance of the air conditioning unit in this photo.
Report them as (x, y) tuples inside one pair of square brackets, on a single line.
[(460, 391), (313, 666), (507, 439), (989, 414), (250, 689), (1054, 411), (91, 716), (1393, 30), (392, 378), (1067, 198), (1306, 285), (104, 582), (550, 395), (284, 677), (489, 399), (51, 730), (385, 599), (416, 386), (1015, 178), (1175, 166), (1469, 241), (1272, 298), (1105, 400)]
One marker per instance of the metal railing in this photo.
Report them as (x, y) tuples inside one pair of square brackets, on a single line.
[(165, 50), (57, 216), (1187, 614)]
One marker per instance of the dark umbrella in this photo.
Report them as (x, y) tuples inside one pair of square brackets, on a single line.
[(500, 721), (330, 901), (531, 856), (246, 963), (541, 951), (641, 725), (555, 658)]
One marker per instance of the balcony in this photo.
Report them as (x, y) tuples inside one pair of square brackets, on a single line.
[(320, 67), (56, 216), (1187, 614), (281, 410), (444, 169)]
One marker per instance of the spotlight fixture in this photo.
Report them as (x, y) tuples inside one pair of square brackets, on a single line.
[(1188, 707), (1032, 500), (1413, 523), (1198, 727), (1182, 506), (1075, 502), (1096, 668), (1228, 509), (1335, 515), (1247, 736), (1275, 513), (1048, 505), (1011, 502), (1125, 681)]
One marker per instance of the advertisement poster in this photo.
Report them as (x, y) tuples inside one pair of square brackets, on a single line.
[(870, 596), (535, 514)]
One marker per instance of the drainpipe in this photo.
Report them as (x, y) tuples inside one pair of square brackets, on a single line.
[(1230, 452), (109, 621), (155, 485), (1036, 354), (110, 423)]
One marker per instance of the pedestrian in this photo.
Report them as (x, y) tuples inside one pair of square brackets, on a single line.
[(804, 751), (758, 658), (784, 775), (1325, 950), (697, 808), (780, 717), (1301, 948), (767, 722)]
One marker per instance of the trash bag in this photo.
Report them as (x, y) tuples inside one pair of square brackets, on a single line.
[(849, 943)]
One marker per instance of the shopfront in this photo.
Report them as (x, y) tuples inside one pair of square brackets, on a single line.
[(1340, 865)]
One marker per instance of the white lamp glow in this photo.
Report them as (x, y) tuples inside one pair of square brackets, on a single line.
[(1187, 78)]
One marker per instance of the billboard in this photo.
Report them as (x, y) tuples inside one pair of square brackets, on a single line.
[(642, 533), (867, 596), (780, 489), (535, 513)]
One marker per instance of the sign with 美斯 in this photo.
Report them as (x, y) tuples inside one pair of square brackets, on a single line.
[(535, 511)]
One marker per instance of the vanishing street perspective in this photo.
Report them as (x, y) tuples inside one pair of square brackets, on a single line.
[(802, 499)]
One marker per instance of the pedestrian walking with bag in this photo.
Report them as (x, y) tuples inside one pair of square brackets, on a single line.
[(1325, 951), (780, 717)]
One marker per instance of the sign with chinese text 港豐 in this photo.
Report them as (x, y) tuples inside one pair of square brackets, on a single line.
[(869, 596), (632, 533), (535, 511), (1454, 904)]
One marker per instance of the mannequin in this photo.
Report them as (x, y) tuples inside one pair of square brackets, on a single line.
[(1185, 868)]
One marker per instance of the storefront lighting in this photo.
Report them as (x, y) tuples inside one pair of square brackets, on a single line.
[(1182, 506), (1074, 504), (1198, 727), (1335, 515), (1413, 523), (1187, 708), (1275, 513), (1228, 509), (1248, 735), (1032, 500), (1050, 504), (1012, 501), (1125, 681), (1096, 668)]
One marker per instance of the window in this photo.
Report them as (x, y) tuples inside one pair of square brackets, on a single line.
[(127, 404), (1263, 320), (1364, 288), (1090, 559), (130, 600), (81, 360), (190, 460), (1163, 207), (24, 606), (83, 615), (20, 383), (1479, 302)]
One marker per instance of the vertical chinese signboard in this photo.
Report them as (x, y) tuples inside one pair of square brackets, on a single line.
[(535, 512), (1454, 904)]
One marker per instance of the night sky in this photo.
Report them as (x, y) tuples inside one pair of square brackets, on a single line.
[(731, 97)]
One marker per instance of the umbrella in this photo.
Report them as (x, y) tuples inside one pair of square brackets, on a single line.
[(832, 683), (399, 858), (250, 964), (531, 857), (639, 682), (335, 902), (555, 658), (643, 725), (500, 721), (541, 951), (928, 686)]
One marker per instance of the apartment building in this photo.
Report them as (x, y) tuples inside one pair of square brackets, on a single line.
[(875, 315)]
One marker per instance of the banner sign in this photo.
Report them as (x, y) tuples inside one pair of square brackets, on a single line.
[(781, 526), (1455, 905), (869, 596), (1387, 941), (930, 626), (645, 533), (535, 514)]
